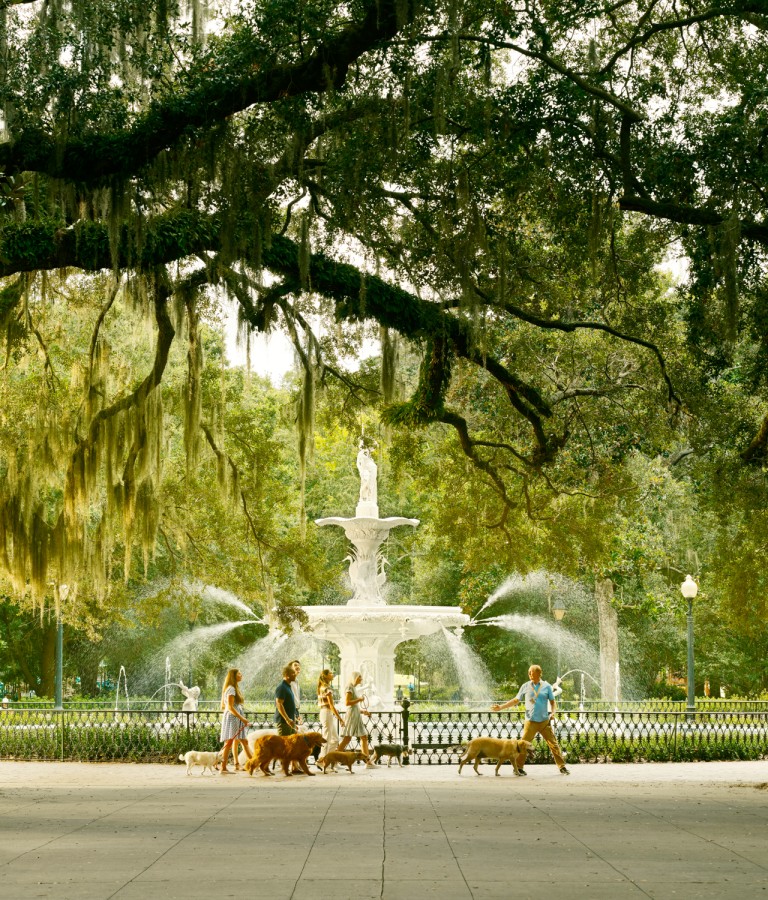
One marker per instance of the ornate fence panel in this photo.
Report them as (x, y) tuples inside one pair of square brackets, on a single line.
[(428, 738)]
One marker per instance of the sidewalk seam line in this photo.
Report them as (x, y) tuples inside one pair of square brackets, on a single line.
[(79, 827), (448, 841), (317, 834), (694, 834), (176, 843), (587, 847)]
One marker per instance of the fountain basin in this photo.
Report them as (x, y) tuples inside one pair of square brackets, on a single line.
[(368, 635)]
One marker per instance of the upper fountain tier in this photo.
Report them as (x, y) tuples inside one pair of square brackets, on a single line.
[(366, 531)]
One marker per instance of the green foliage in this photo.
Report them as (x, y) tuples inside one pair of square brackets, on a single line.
[(496, 185)]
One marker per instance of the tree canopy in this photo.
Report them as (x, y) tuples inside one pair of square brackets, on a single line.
[(497, 189)]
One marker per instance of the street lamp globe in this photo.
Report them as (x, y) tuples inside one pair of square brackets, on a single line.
[(689, 588)]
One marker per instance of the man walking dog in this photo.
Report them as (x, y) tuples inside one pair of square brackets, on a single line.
[(286, 714), (537, 695)]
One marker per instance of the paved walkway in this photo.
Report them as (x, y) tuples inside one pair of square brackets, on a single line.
[(608, 832)]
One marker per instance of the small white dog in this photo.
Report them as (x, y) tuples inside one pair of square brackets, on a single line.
[(208, 759)]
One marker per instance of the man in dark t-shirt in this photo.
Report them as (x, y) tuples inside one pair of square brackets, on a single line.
[(285, 704)]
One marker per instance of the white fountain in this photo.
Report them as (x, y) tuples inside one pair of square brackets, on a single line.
[(367, 630)]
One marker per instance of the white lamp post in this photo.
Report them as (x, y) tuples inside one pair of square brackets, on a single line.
[(58, 685), (191, 620), (558, 611), (689, 589)]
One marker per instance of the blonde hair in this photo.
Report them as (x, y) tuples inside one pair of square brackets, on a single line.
[(534, 670), (231, 681), (326, 678)]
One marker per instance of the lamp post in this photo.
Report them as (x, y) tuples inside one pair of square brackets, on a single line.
[(191, 619), (58, 684), (418, 680), (689, 589), (558, 611)]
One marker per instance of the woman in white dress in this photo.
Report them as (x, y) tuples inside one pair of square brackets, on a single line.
[(233, 720), (329, 715), (353, 727)]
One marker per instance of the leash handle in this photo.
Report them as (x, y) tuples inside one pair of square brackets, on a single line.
[(240, 730)]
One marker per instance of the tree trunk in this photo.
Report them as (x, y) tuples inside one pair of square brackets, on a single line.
[(609, 640)]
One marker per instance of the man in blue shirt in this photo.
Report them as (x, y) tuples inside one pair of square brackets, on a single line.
[(285, 704), (537, 695)]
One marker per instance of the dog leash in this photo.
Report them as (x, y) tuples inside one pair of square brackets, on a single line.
[(241, 730)]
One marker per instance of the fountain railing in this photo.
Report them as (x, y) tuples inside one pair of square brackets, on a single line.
[(429, 737), (266, 704)]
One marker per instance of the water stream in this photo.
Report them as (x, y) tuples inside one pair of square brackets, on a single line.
[(475, 680), (572, 647)]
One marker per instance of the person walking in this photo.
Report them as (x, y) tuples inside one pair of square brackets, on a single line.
[(295, 688), (233, 720), (353, 726), (285, 704), (537, 695), (329, 715)]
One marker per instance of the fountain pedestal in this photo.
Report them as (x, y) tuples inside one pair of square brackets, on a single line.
[(368, 635), (367, 630)]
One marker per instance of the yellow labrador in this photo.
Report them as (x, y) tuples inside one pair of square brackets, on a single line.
[(494, 748)]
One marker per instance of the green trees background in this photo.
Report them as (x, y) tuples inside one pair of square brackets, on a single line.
[(550, 225)]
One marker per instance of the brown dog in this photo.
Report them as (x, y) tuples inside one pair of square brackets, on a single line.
[(494, 748), (294, 748), (342, 758)]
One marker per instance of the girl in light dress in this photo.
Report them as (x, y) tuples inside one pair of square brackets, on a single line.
[(329, 715), (353, 726), (233, 720)]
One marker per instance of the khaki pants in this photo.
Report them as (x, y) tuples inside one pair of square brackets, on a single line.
[(545, 730)]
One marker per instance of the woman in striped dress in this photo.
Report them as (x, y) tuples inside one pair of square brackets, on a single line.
[(354, 726), (233, 721)]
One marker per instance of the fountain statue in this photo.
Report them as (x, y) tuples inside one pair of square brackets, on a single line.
[(368, 504), (192, 697), (367, 630)]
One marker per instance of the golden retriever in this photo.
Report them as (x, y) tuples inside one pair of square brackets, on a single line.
[(294, 748), (494, 748), (342, 758), (251, 736)]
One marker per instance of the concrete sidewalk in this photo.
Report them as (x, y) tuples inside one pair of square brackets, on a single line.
[(670, 830)]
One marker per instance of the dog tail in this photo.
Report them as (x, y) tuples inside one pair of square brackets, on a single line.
[(181, 757)]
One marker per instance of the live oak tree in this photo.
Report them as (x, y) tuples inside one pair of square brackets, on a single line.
[(494, 183)]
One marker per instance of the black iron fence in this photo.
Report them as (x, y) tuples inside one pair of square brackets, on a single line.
[(437, 738), (427, 738), (266, 706)]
